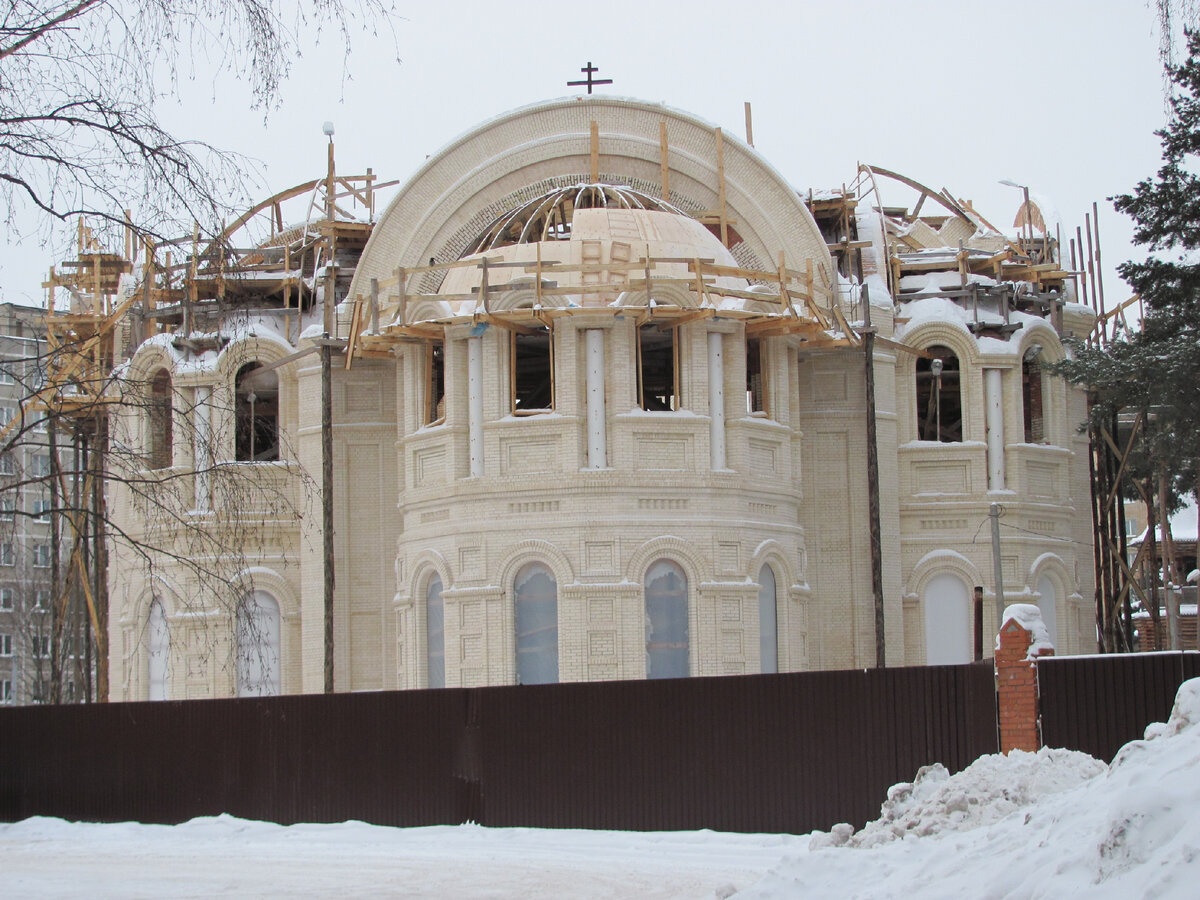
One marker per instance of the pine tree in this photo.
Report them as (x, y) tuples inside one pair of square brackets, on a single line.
[(1157, 370)]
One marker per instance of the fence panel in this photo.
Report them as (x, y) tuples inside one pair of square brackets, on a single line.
[(763, 753), (1099, 703)]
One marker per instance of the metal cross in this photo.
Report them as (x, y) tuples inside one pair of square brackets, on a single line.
[(588, 70)]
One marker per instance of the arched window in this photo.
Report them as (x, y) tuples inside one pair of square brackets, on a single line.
[(159, 643), (1032, 387), (158, 420), (435, 633), (756, 381), (532, 368), (258, 645), (948, 629), (939, 402), (435, 382), (1048, 604), (768, 629), (535, 594), (666, 590), (658, 367), (257, 414)]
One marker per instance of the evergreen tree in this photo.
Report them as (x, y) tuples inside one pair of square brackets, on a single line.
[(1157, 369)]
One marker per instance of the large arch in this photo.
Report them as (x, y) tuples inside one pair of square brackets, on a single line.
[(527, 151)]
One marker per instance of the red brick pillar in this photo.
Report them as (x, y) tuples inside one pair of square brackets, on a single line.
[(1017, 692)]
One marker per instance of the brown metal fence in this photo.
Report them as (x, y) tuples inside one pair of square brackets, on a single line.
[(765, 753), (1098, 703)]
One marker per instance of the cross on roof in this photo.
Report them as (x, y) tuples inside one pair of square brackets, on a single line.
[(588, 70)]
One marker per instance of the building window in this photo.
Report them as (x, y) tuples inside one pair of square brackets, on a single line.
[(535, 594), (939, 404), (258, 645), (41, 646), (41, 600), (7, 467), (948, 629), (7, 414), (1032, 387), (532, 368), (159, 646), (5, 645), (658, 367), (41, 556), (435, 382), (8, 556), (6, 371), (666, 591), (768, 627), (7, 508), (41, 507), (435, 633), (756, 381), (6, 598), (6, 691), (158, 421), (257, 414), (41, 465)]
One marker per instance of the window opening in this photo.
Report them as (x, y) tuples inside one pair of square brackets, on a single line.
[(756, 385), (258, 645), (159, 641), (532, 372), (1031, 396), (435, 633), (666, 591), (939, 404), (159, 444), (658, 367), (435, 382), (535, 593), (257, 414), (948, 628), (768, 629)]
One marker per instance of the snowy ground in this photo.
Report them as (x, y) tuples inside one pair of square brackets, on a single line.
[(1052, 824)]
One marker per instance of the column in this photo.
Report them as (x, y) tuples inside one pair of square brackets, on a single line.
[(994, 403), (597, 442), (716, 399), (202, 454), (475, 404)]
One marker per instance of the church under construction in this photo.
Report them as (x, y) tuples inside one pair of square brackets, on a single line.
[(603, 397)]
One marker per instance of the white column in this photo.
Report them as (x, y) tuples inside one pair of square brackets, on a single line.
[(202, 450), (994, 401), (475, 404), (597, 434), (716, 398)]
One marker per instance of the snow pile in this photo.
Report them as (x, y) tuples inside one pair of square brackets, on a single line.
[(985, 792), (1133, 830), (1029, 617)]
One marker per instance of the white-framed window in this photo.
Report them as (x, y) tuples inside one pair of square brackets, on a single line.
[(41, 556), (41, 646), (41, 507), (6, 691), (8, 507), (41, 465), (5, 645), (258, 645), (7, 366), (41, 599), (8, 556), (535, 596), (7, 414), (6, 598), (7, 466)]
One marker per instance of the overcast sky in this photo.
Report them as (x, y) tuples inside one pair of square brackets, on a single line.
[(1060, 95)]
